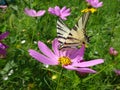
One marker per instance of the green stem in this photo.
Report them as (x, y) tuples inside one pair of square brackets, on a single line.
[(59, 79)]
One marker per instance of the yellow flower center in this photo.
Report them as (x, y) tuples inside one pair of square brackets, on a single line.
[(92, 10), (64, 60)]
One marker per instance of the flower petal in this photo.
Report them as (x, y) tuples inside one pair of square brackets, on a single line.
[(3, 52), (63, 18), (99, 4), (65, 14), (45, 50), (41, 58), (85, 70), (117, 72), (57, 10), (3, 6), (63, 9), (4, 35), (40, 13), (80, 70), (95, 3), (55, 45), (51, 10), (79, 52), (30, 12), (61, 13), (70, 67), (88, 63)]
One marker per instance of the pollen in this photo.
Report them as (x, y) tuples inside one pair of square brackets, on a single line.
[(64, 60), (92, 10)]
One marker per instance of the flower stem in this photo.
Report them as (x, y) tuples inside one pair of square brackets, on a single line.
[(58, 82)]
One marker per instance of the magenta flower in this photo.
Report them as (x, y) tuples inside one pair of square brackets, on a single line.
[(33, 13), (3, 6), (95, 3), (3, 46), (62, 13), (113, 52), (71, 59), (117, 72)]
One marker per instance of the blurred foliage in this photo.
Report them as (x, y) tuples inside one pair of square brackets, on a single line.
[(29, 74)]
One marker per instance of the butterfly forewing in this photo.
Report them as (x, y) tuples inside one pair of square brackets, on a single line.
[(62, 31)]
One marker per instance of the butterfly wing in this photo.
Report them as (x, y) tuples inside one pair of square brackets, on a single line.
[(62, 31), (78, 36), (74, 37)]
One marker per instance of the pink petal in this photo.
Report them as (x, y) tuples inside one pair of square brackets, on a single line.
[(45, 50), (70, 67), (88, 63), (41, 58), (99, 4), (3, 6), (63, 9), (30, 12), (51, 10), (65, 14), (5, 45), (40, 13), (55, 46), (89, 1), (85, 70), (4, 35), (94, 3), (3, 52), (79, 52), (66, 11), (117, 72), (57, 11), (80, 70), (2, 46), (63, 18), (113, 52), (70, 52)]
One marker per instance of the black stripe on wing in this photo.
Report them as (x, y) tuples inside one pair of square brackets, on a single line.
[(66, 47), (61, 37), (71, 38), (69, 44), (61, 21), (61, 29), (59, 34), (61, 26), (85, 18), (75, 27)]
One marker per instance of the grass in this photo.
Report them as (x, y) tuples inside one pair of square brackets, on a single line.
[(29, 74)]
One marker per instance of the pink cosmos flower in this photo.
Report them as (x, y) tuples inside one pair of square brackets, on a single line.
[(3, 6), (113, 52), (62, 13), (95, 3), (71, 59), (117, 72), (33, 13), (3, 46)]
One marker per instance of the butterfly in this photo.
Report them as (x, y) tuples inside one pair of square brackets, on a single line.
[(75, 37)]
